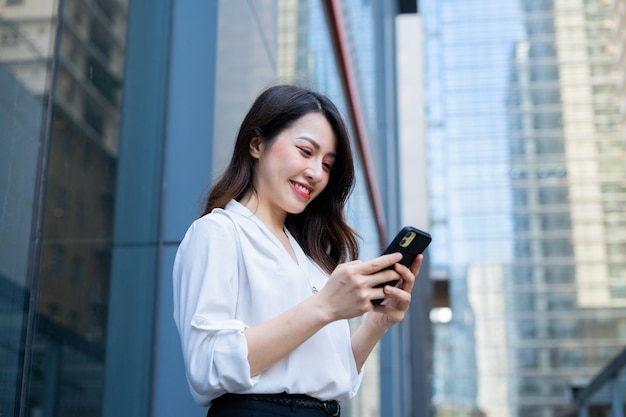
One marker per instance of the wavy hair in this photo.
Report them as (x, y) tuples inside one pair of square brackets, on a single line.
[(321, 229)]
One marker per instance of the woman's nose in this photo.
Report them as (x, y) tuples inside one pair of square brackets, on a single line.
[(315, 170)]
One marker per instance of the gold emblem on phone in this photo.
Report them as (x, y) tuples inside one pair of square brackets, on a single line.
[(407, 239)]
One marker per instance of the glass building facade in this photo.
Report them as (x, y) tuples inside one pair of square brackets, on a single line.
[(528, 195), (115, 116)]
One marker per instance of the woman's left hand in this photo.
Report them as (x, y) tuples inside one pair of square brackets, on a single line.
[(397, 298), (384, 315)]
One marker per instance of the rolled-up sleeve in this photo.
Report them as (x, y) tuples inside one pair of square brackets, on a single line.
[(205, 279)]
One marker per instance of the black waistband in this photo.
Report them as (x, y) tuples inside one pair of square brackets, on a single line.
[(331, 407)]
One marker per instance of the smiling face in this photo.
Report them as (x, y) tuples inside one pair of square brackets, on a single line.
[(293, 169)]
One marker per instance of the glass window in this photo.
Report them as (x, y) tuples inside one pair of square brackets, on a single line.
[(557, 247), (73, 249), (545, 96), (548, 120), (561, 301), (552, 194), (560, 274), (22, 107), (528, 358), (544, 72), (550, 146), (525, 302), (521, 223), (86, 120), (542, 49), (555, 221), (564, 329)]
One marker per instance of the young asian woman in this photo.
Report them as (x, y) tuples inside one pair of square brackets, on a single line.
[(266, 279)]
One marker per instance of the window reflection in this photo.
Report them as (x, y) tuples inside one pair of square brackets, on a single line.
[(24, 58), (84, 68)]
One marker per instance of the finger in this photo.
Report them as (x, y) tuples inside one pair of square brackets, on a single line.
[(406, 284), (380, 263), (394, 299), (384, 277), (417, 264), (401, 297), (408, 278), (377, 294)]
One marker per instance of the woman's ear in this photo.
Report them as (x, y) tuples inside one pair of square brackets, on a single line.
[(256, 147)]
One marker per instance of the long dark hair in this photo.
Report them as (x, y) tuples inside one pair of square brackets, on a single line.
[(321, 229)]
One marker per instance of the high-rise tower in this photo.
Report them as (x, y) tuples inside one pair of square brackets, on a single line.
[(526, 142)]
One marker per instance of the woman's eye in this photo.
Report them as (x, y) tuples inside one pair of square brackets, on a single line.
[(305, 151), (327, 166)]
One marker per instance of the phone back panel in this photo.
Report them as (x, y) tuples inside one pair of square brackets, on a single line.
[(410, 242)]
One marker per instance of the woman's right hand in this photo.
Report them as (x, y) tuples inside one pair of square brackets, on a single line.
[(347, 294), (351, 286)]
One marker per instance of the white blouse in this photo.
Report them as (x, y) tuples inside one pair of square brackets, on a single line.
[(230, 273)]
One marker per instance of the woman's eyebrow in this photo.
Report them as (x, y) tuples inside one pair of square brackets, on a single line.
[(315, 144)]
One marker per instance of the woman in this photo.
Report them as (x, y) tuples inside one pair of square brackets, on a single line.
[(262, 286)]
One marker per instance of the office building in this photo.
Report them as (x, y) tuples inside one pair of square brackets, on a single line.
[(526, 153), (115, 116)]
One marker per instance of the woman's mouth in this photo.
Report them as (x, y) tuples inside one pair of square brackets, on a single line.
[(301, 190)]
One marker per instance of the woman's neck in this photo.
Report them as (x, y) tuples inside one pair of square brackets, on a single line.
[(273, 220)]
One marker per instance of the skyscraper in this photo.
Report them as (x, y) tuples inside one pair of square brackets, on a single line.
[(527, 163)]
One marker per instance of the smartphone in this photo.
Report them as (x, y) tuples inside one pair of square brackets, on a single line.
[(410, 242)]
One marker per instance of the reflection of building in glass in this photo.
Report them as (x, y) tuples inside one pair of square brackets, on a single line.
[(19, 125), (18, 167), (84, 146), (87, 61), (25, 49), (81, 182), (535, 81), (293, 29), (250, 72), (24, 59), (618, 12), (23, 64)]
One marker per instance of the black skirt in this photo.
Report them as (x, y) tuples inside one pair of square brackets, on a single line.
[(269, 405)]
